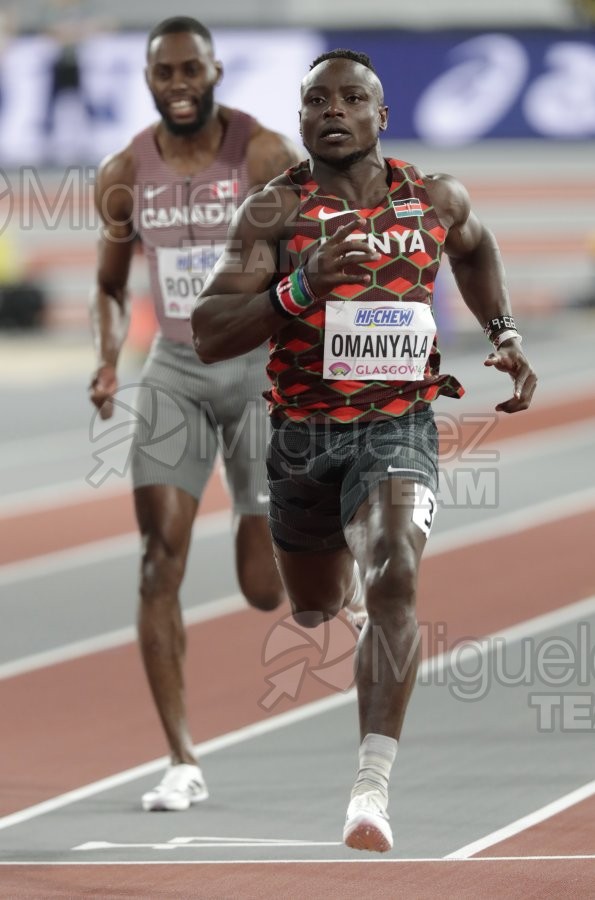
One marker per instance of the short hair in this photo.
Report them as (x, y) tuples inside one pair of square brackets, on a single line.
[(353, 55), (178, 24)]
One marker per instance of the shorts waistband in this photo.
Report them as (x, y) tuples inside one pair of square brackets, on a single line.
[(283, 422)]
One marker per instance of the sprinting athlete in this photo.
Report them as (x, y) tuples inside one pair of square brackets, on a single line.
[(344, 290), (177, 187)]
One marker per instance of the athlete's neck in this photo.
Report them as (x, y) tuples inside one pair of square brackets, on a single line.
[(189, 154), (363, 184)]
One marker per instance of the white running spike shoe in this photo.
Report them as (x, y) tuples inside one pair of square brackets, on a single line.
[(366, 825), (181, 786)]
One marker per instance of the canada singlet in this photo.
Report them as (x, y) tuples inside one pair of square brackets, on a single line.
[(183, 220)]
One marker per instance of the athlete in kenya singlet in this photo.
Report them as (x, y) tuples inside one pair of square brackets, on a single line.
[(366, 352)]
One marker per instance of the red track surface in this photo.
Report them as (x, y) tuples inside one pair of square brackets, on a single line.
[(101, 701), (530, 880), (33, 533), (569, 832)]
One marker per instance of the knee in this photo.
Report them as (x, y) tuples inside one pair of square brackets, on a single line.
[(310, 611), (264, 598), (391, 587), (314, 600), (260, 586), (162, 571), (312, 618)]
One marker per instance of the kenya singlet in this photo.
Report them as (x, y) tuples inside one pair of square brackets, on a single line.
[(365, 352), (183, 220)]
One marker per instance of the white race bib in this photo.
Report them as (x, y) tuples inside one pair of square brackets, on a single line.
[(182, 274), (377, 340)]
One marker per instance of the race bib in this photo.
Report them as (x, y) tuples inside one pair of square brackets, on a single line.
[(182, 274), (424, 510), (377, 340)]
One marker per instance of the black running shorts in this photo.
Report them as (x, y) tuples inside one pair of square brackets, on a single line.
[(320, 474)]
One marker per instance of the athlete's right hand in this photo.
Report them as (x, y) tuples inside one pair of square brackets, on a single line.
[(338, 260), (104, 385)]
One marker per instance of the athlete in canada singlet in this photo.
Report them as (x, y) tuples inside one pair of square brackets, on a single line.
[(183, 220)]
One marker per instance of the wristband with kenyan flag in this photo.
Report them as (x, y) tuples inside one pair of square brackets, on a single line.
[(292, 295)]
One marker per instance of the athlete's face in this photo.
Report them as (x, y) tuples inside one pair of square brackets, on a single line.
[(342, 112), (181, 74)]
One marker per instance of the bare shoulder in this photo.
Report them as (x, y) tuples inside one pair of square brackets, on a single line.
[(114, 190), (272, 209), (449, 198), (118, 168), (269, 154)]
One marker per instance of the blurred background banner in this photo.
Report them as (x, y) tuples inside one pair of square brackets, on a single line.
[(452, 88), (50, 113), (443, 88), (500, 95)]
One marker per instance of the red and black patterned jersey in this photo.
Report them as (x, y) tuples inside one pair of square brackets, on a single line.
[(407, 233)]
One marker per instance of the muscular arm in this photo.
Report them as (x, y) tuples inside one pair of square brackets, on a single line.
[(472, 250), (269, 154), (109, 307), (234, 313), (479, 274)]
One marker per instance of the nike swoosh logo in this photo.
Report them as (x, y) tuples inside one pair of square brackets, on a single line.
[(262, 498), (326, 215), (153, 192)]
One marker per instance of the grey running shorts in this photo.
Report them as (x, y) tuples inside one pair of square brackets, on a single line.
[(188, 411), (319, 475)]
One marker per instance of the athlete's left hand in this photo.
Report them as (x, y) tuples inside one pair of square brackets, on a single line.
[(510, 358)]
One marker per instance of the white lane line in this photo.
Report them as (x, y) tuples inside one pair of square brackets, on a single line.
[(541, 513), (522, 824), (339, 860), (230, 739), (25, 450), (542, 442), (212, 609), (507, 451), (473, 648), (283, 720), (219, 523), (200, 843), (96, 552), (64, 493)]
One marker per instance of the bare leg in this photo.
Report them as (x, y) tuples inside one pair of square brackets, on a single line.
[(319, 585), (388, 547), (165, 516), (257, 571)]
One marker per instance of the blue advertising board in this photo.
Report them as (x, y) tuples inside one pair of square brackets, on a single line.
[(453, 88), (444, 88)]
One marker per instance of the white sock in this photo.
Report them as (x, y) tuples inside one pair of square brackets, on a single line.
[(377, 754)]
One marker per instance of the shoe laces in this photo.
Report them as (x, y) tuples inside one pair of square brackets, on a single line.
[(370, 802), (180, 778)]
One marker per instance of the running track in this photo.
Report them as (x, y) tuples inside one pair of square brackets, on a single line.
[(87, 718)]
